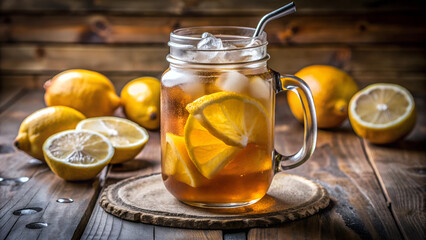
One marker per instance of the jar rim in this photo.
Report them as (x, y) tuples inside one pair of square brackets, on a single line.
[(187, 33), (179, 62)]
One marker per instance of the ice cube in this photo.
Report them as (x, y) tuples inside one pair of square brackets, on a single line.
[(209, 42), (252, 53), (173, 78), (243, 54), (259, 88), (206, 35), (195, 89), (233, 81), (227, 45)]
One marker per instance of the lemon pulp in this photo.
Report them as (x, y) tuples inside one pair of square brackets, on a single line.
[(382, 106), (127, 137), (382, 113), (77, 154)]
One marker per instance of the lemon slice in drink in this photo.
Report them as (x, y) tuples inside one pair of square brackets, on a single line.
[(127, 137), (77, 154), (207, 152), (219, 126), (382, 113), (177, 162), (233, 118)]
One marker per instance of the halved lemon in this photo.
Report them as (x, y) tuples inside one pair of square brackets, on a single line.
[(219, 126), (127, 137), (77, 154), (177, 163), (382, 113), (234, 118)]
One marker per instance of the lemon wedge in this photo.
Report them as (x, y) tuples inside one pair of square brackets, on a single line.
[(233, 118), (207, 152), (219, 126), (382, 113), (177, 163), (127, 137), (77, 154)]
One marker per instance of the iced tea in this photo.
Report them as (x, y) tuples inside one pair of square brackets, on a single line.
[(247, 173)]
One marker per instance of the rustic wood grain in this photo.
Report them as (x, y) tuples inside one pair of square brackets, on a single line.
[(8, 96), (41, 190), (234, 235), (106, 226), (299, 29), (32, 58), (166, 233), (31, 64), (358, 209), (205, 7), (36, 82), (402, 166)]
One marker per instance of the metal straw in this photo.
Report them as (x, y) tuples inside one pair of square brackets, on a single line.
[(280, 12)]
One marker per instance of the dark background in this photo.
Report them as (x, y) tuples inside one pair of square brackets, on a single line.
[(373, 40)]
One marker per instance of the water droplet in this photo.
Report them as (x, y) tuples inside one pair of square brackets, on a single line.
[(27, 211), (65, 200), (22, 179), (17, 180), (35, 161), (36, 225)]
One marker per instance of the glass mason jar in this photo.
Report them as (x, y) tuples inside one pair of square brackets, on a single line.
[(217, 117)]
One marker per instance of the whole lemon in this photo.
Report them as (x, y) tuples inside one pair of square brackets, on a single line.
[(331, 89), (89, 92), (141, 101), (40, 125)]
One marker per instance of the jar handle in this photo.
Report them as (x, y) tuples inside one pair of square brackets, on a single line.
[(301, 89)]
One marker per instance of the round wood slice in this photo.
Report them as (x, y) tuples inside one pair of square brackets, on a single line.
[(146, 200)]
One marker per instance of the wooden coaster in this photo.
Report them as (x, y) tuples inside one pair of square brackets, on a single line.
[(146, 200)]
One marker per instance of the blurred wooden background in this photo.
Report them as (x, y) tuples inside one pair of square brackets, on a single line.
[(374, 40)]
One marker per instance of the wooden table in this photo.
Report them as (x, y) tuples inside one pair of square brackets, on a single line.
[(377, 192)]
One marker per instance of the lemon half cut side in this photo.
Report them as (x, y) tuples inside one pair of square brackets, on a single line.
[(127, 137), (382, 113), (77, 154)]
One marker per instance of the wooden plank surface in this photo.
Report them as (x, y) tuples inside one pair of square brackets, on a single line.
[(36, 59), (36, 82), (9, 95), (32, 64), (358, 209), (43, 188), (205, 7), (299, 29), (401, 167)]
